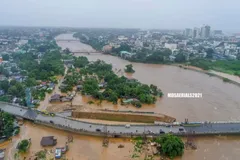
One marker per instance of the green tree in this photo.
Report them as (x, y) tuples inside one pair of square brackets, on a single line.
[(5, 73), (5, 57), (171, 145), (67, 51), (180, 58), (13, 91), (90, 86), (23, 146), (80, 62), (129, 68), (30, 82), (209, 52), (4, 85), (7, 121), (16, 89), (14, 69)]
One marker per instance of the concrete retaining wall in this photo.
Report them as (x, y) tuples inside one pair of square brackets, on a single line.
[(122, 117)]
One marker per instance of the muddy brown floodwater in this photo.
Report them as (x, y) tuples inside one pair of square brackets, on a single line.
[(90, 148), (220, 102)]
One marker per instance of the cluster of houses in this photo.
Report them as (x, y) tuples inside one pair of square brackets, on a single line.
[(45, 86), (61, 98), (51, 141), (225, 47)]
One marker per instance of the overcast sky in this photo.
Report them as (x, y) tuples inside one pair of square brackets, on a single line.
[(159, 14)]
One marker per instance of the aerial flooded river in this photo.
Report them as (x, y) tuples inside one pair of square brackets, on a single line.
[(220, 101)]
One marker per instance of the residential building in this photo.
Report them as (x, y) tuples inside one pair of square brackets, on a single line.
[(196, 33), (126, 54), (205, 31), (170, 46), (188, 32), (217, 32)]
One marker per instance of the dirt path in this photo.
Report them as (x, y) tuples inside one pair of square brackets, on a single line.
[(15, 140), (45, 103)]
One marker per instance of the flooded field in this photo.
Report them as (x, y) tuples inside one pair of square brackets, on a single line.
[(82, 147), (90, 148)]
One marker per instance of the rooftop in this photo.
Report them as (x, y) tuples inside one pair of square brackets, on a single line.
[(48, 141)]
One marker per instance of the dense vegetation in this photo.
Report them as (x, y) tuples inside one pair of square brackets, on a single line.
[(40, 60), (98, 75), (12, 89), (6, 124), (171, 146), (167, 146), (92, 41), (129, 68), (4, 71), (50, 62), (231, 67)]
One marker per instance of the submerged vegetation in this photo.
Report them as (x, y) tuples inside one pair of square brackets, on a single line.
[(23, 146), (98, 80), (165, 146), (7, 124), (129, 68)]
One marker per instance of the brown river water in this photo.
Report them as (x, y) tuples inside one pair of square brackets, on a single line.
[(220, 101)]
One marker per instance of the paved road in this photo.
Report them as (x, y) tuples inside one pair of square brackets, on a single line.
[(60, 120), (208, 128)]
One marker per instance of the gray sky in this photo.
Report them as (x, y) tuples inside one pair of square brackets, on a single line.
[(161, 14)]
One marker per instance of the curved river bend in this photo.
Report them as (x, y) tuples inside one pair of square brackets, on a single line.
[(220, 100)]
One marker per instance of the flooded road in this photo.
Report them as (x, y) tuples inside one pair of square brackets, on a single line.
[(220, 100)]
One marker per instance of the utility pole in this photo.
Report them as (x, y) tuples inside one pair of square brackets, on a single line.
[(1, 123)]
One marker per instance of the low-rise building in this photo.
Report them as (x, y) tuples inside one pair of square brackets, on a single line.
[(126, 54)]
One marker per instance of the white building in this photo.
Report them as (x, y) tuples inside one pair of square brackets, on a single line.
[(122, 38), (170, 46), (205, 31), (138, 43)]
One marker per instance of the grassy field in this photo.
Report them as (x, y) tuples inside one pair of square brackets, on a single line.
[(225, 66)]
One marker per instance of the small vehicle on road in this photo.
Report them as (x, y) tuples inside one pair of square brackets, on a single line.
[(127, 126), (51, 121), (98, 130), (161, 131), (181, 129)]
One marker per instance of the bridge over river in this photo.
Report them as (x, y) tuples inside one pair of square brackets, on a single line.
[(61, 121), (67, 40)]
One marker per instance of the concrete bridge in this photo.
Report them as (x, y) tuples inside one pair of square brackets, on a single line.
[(88, 52), (67, 40), (61, 121)]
